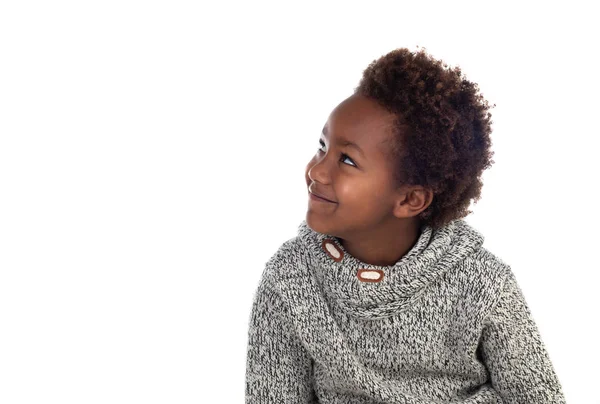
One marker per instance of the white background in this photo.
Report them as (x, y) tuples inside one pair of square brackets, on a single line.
[(152, 160)]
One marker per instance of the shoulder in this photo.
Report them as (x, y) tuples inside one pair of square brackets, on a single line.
[(285, 259), (486, 275), (487, 264), (282, 263)]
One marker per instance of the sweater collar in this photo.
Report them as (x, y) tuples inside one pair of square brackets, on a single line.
[(373, 291)]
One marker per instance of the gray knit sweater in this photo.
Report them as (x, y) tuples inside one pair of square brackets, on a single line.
[(447, 323)]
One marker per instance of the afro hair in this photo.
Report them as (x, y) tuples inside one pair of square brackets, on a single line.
[(441, 131)]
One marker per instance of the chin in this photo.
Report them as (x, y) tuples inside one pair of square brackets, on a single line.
[(319, 225), (315, 223)]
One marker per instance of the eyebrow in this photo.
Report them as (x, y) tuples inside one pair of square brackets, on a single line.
[(345, 142)]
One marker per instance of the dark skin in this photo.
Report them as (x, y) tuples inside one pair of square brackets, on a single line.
[(375, 221)]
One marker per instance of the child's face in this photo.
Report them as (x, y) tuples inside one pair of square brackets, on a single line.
[(360, 184)]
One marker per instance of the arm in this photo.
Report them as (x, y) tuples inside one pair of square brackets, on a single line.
[(278, 368), (514, 353)]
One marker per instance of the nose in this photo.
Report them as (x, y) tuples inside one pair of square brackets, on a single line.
[(316, 171)]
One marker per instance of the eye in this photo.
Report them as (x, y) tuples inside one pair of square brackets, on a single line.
[(343, 154)]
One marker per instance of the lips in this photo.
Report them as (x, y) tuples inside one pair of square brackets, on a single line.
[(321, 196)]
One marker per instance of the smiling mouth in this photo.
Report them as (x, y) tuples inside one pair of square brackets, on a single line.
[(318, 198)]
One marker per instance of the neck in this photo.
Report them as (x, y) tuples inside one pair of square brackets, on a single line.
[(385, 245)]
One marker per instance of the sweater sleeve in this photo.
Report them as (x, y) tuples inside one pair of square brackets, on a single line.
[(278, 368), (514, 353)]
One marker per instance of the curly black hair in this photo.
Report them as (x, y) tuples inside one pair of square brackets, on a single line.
[(441, 132)]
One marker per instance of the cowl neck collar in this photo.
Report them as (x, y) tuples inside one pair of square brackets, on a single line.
[(374, 291)]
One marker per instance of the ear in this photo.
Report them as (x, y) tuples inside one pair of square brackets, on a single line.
[(412, 201)]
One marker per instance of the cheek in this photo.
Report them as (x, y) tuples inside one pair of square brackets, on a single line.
[(354, 191), (369, 195)]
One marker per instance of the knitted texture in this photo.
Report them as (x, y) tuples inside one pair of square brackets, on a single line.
[(447, 323)]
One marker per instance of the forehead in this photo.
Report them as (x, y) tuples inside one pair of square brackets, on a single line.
[(362, 121)]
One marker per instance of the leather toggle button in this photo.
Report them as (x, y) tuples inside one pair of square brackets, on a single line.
[(370, 275), (332, 249)]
